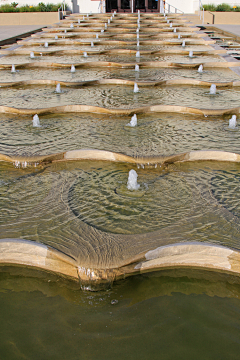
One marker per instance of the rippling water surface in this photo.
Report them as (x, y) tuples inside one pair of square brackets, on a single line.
[(155, 134), (156, 74), (79, 207), (120, 96), (119, 58)]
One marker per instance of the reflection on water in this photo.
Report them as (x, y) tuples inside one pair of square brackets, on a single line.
[(141, 317)]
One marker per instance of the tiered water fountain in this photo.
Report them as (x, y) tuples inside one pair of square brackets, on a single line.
[(130, 164)]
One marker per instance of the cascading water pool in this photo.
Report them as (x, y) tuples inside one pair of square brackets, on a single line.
[(117, 161)]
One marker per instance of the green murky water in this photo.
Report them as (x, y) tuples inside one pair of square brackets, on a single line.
[(145, 317)]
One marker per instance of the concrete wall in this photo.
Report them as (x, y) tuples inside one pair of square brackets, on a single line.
[(37, 18), (87, 6), (232, 18)]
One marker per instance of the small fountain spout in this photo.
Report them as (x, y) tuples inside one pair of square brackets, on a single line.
[(85, 54), (137, 43), (92, 44), (138, 54), (32, 55), (213, 89), (233, 122), (190, 53), (179, 36), (71, 26), (200, 69), (46, 44), (136, 88), (13, 70), (79, 21), (36, 122), (58, 89), (174, 30), (183, 43), (73, 69), (97, 35), (170, 25), (136, 67), (132, 180), (56, 37), (133, 121)]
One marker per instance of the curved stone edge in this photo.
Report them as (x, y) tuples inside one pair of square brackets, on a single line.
[(96, 64), (191, 255), (119, 20), (33, 254), (99, 110), (197, 255), (113, 42), (187, 81), (102, 155), (114, 35), (98, 28), (19, 51)]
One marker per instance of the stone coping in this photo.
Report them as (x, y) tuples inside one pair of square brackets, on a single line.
[(117, 29), (64, 109), (113, 42), (178, 256), (20, 51), (115, 36), (146, 64), (79, 84), (102, 155)]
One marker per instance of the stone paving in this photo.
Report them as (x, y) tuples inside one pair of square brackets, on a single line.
[(10, 32)]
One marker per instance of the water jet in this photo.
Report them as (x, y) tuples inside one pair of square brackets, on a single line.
[(233, 122)]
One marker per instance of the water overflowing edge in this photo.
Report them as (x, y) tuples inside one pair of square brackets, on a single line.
[(174, 82), (146, 64), (102, 155), (181, 255), (100, 110)]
